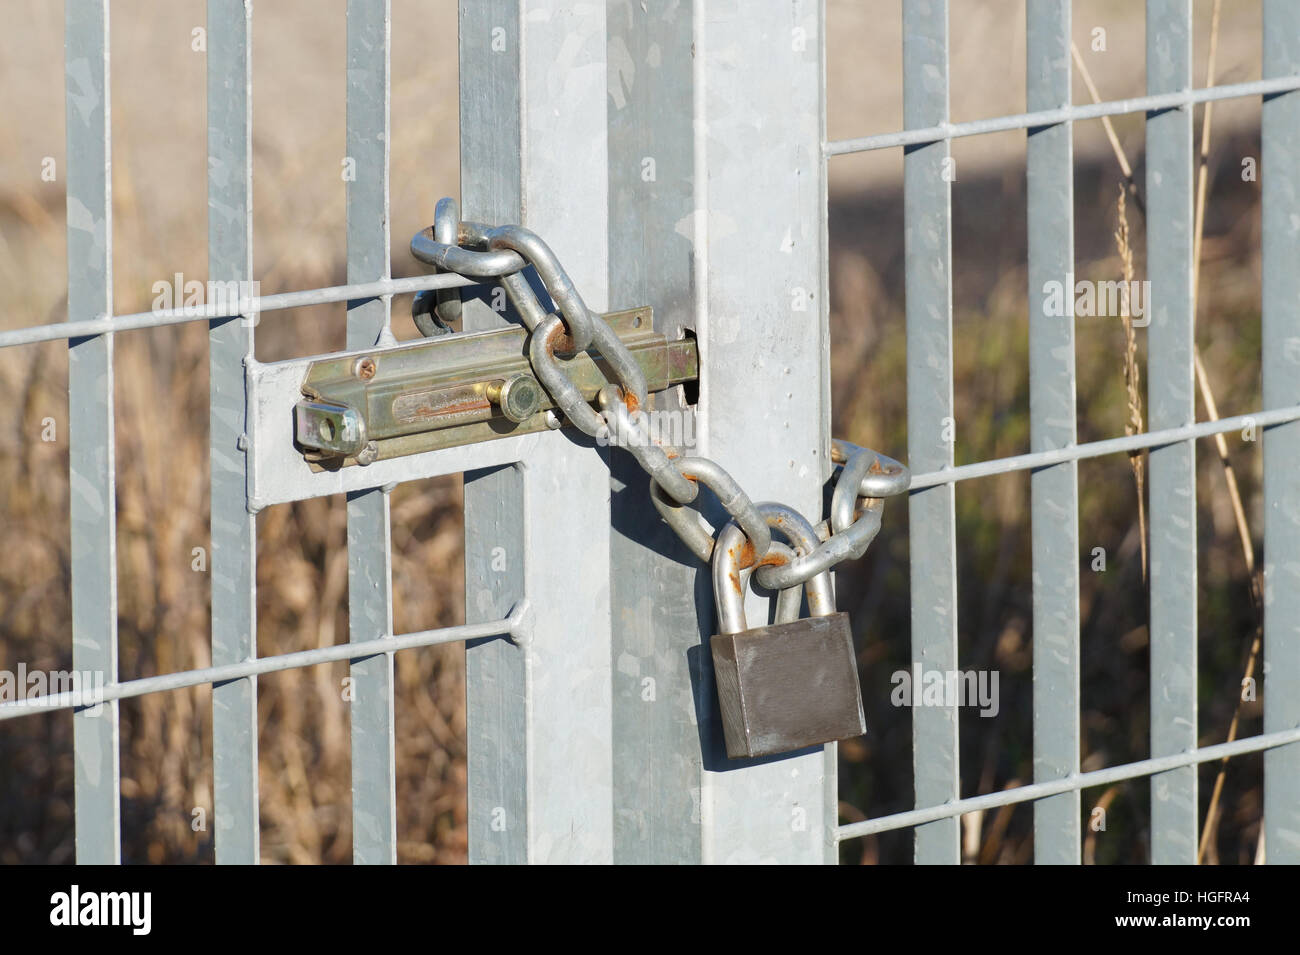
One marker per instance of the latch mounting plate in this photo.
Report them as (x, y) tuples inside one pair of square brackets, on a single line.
[(364, 406)]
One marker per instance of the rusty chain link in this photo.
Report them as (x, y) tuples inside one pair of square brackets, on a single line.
[(865, 478)]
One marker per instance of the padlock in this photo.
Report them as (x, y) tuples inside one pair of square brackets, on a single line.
[(789, 685)]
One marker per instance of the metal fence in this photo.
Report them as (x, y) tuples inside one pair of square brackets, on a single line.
[(591, 734)]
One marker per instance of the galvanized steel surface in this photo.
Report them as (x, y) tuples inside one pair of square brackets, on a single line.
[(561, 770), (236, 827), (540, 738), (370, 573), (1054, 490), (927, 242), (91, 458), (1280, 137), (621, 421), (1171, 400)]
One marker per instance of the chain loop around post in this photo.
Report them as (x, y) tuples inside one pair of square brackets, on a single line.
[(885, 478), (844, 500), (446, 224), (467, 262), (504, 253), (579, 322)]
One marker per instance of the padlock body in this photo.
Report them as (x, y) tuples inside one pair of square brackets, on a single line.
[(788, 686)]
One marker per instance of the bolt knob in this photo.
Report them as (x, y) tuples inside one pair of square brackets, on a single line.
[(519, 397)]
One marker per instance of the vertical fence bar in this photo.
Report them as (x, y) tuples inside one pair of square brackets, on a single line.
[(370, 577), (490, 85), (763, 338), (656, 597), (534, 151), (1280, 182), (91, 467), (234, 528), (927, 211), (1054, 490), (1172, 404)]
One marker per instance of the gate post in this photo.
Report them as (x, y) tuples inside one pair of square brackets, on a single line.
[(532, 125), (717, 202), (1280, 159)]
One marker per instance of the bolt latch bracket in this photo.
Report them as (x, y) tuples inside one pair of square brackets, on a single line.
[(364, 406)]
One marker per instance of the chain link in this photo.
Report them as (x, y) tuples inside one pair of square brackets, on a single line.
[(865, 478)]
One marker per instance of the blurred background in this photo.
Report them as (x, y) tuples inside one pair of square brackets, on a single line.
[(160, 228)]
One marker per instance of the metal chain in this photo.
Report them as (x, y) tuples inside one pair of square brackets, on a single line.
[(865, 478)]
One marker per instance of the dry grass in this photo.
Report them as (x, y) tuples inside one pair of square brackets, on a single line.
[(162, 454), (163, 626), (304, 743), (1132, 377)]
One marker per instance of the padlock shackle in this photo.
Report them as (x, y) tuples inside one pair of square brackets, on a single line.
[(730, 579), (799, 531), (730, 582)]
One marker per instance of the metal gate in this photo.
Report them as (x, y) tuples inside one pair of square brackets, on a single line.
[(591, 735)]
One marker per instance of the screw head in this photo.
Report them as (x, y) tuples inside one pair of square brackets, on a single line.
[(366, 456), (364, 368)]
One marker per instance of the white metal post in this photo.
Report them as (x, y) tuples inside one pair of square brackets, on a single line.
[(717, 185), (532, 105)]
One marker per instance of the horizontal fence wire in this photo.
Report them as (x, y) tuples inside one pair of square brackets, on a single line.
[(343, 293), (1088, 780), (1064, 114), (82, 698), (1094, 449), (228, 308), (1168, 118)]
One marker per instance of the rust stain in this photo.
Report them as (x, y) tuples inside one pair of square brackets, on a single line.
[(746, 556), (630, 400), (559, 341), (476, 404), (463, 407), (773, 560)]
